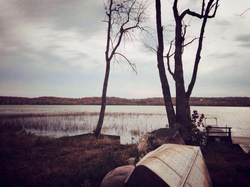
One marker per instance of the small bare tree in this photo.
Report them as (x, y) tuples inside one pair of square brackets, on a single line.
[(122, 17)]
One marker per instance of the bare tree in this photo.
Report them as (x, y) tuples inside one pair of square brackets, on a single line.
[(208, 10), (122, 17), (161, 68)]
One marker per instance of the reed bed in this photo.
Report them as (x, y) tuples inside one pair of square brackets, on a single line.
[(55, 124)]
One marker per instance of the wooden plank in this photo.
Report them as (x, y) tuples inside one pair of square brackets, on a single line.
[(245, 148), (241, 140), (244, 143), (215, 131), (220, 133)]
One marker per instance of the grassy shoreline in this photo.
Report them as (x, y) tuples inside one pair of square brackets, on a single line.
[(29, 160)]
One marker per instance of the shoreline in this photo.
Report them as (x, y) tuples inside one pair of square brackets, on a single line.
[(30, 160)]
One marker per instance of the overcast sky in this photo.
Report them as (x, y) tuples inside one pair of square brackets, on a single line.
[(56, 48)]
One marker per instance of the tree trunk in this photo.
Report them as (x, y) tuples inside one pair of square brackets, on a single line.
[(103, 105), (98, 129), (182, 105), (164, 81), (119, 14)]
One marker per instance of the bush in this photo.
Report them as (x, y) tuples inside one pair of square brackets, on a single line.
[(190, 133)]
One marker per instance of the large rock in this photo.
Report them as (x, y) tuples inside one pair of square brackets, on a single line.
[(117, 177), (131, 161), (153, 140)]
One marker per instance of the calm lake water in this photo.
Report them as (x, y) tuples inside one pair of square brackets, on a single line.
[(130, 122)]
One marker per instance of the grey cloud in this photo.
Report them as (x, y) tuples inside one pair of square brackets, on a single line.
[(243, 38), (64, 14), (223, 23), (80, 56), (245, 45), (39, 75), (221, 55), (6, 35), (56, 62), (230, 80), (81, 15)]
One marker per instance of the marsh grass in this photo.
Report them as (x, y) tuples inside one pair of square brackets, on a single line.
[(133, 124)]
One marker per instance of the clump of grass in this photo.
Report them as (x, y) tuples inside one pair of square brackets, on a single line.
[(135, 132)]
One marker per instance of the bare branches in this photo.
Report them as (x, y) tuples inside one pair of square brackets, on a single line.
[(185, 45), (132, 65), (208, 10), (245, 12), (168, 56), (215, 6), (150, 37), (149, 47), (123, 16), (210, 6), (204, 12), (191, 13)]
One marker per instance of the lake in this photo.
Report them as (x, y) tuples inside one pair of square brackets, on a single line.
[(130, 122)]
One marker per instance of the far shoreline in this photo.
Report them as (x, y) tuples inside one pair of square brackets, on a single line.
[(156, 101)]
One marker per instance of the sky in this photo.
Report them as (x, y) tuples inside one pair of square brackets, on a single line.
[(57, 48)]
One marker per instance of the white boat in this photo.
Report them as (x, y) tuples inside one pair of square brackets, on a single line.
[(171, 165)]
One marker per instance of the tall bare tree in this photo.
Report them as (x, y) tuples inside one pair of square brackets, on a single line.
[(122, 17), (208, 10), (161, 68)]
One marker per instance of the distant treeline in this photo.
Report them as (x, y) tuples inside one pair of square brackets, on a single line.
[(194, 101)]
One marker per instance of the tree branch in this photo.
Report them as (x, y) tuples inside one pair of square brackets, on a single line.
[(245, 11), (133, 66), (215, 6), (126, 16), (109, 31), (190, 42), (198, 52), (200, 16), (203, 7), (191, 13), (149, 47), (168, 56)]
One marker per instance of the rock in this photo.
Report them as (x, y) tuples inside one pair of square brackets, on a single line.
[(153, 140), (117, 177), (131, 161)]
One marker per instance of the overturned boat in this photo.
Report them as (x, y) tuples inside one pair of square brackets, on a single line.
[(171, 165)]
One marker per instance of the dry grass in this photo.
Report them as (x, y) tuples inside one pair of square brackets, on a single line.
[(135, 124), (29, 160), (227, 164)]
